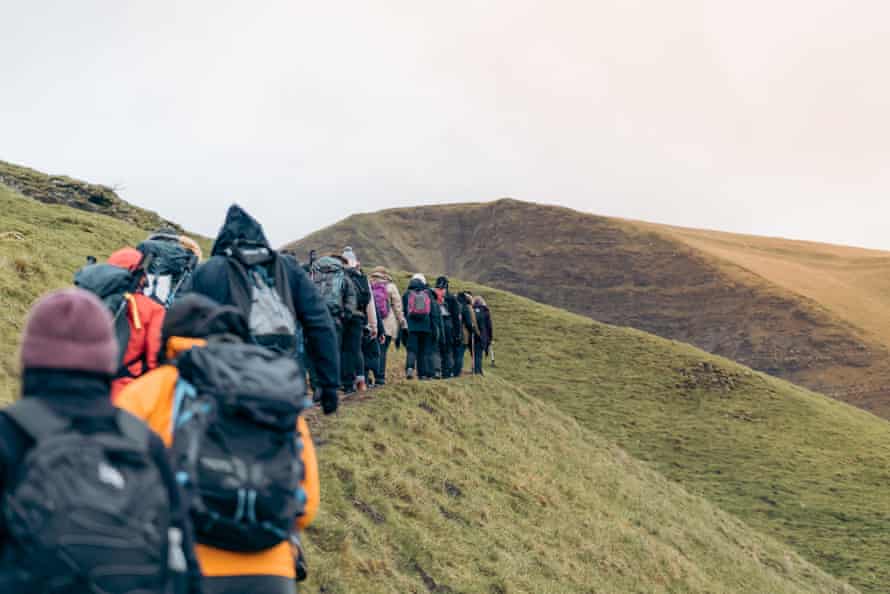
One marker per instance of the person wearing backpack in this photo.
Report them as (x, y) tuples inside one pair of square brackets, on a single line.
[(230, 412), (390, 316), (275, 296), (450, 309), (90, 502), (362, 320), (174, 257), (469, 331), (486, 333), (137, 318), (424, 322)]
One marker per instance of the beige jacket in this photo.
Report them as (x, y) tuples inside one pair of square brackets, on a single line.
[(396, 318)]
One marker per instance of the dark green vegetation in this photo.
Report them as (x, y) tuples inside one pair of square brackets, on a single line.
[(650, 278), (473, 486), (796, 465), (60, 189)]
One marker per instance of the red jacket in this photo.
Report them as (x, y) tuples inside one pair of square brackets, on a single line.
[(146, 318)]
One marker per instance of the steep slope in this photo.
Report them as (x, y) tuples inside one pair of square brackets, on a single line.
[(793, 464), (41, 246), (637, 275), (61, 189), (472, 486)]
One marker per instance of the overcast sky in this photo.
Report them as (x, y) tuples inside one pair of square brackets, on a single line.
[(763, 116)]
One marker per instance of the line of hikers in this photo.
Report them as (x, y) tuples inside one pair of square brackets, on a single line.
[(159, 446)]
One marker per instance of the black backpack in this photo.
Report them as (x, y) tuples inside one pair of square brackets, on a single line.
[(363, 294), (260, 287), (111, 284), (171, 266), (88, 513), (329, 276), (236, 446)]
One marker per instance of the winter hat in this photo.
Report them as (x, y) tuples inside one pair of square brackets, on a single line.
[(70, 330), (442, 282), (419, 277), (129, 258)]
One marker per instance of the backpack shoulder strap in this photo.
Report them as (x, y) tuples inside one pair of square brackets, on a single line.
[(36, 419), (134, 429)]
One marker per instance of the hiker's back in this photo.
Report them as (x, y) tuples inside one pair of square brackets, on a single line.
[(329, 276), (171, 266)]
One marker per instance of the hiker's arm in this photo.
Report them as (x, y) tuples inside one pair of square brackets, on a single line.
[(318, 328), (396, 301), (372, 312), (153, 339)]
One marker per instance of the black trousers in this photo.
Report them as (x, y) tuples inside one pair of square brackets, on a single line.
[(380, 376), (444, 358), (478, 357), (352, 363), (250, 584), (419, 348), (371, 354), (459, 350)]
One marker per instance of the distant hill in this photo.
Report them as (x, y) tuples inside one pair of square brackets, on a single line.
[(748, 299)]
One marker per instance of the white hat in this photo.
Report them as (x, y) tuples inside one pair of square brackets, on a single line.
[(419, 277)]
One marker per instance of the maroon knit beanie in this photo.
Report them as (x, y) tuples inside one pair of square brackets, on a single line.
[(71, 330)]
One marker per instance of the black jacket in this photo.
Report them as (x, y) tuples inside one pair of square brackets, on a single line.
[(85, 398), (455, 319), (430, 324), (212, 279), (483, 320)]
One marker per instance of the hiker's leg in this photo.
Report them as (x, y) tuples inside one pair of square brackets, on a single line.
[(352, 344), (459, 359), (411, 347), (381, 361), (426, 355), (477, 359), (447, 359)]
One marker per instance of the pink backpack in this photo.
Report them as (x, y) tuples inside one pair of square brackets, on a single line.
[(381, 300), (419, 303)]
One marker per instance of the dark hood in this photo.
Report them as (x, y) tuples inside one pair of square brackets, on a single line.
[(238, 225), (416, 284)]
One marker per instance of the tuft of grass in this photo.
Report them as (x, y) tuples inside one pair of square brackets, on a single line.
[(473, 486)]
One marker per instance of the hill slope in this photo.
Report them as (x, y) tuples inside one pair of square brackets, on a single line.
[(796, 465), (472, 486), (466, 487), (644, 276)]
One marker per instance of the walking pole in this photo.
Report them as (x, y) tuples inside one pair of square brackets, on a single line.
[(491, 352)]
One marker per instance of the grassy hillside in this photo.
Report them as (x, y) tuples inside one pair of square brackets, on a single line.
[(41, 246), (804, 468), (637, 275), (473, 486), (61, 189)]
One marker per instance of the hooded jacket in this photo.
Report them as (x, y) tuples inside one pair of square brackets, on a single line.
[(430, 324), (151, 398), (84, 399), (146, 318), (395, 319), (212, 280), (468, 316), (483, 321)]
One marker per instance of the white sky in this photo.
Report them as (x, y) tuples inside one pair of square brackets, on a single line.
[(764, 116)]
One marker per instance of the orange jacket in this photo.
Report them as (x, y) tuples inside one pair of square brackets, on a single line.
[(151, 399), (146, 318)]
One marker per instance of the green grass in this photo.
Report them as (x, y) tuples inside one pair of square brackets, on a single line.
[(473, 486), (806, 469), (41, 246)]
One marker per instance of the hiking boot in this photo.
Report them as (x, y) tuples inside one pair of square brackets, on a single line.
[(361, 385), (409, 374)]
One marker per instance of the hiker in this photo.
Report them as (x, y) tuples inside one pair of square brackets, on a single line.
[(137, 318), (274, 295), (223, 405), (65, 447), (362, 320), (469, 331), (338, 293), (174, 257), (424, 322), (390, 315), (450, 309), (486, 333)]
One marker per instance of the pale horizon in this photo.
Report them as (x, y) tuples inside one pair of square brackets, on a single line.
[(768, 118)]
